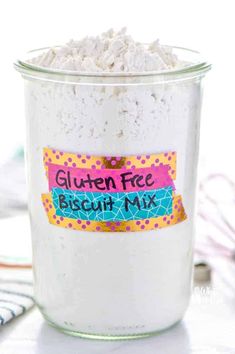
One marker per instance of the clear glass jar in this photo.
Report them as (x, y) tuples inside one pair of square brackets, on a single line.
[(112, 163)]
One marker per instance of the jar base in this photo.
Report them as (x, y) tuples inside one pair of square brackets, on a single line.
[(106, 337)]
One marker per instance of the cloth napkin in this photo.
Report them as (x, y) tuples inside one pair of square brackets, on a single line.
[(16, 293)]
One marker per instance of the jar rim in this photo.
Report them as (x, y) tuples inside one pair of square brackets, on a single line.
[(197, 67)]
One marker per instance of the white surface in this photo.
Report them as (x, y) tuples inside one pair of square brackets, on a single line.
[(208, 328)]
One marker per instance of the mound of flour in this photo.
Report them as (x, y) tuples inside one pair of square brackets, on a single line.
[(110, 52)]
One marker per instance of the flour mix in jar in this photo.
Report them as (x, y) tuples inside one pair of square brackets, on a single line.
[(112, 148)]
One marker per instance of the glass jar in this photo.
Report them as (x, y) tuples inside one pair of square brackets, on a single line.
[(112, 161)]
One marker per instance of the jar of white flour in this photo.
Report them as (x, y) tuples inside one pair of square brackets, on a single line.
[(112, 150)]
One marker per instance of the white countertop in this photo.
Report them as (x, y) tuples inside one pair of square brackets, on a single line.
[(208, 328)]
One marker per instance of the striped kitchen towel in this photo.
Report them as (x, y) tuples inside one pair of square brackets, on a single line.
[(16, 293)]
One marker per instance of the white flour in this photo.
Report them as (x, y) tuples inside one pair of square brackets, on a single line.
[(110, 52), (112, 283)]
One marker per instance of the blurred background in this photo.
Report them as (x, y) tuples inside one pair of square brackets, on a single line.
[(204, 25)]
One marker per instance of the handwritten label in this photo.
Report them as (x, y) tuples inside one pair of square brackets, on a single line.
[(93, 193)]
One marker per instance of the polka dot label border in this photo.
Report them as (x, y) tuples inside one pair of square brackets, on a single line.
[(109, 162), (58, 157)]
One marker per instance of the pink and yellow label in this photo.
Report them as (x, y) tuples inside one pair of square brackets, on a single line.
[(111, 194)]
